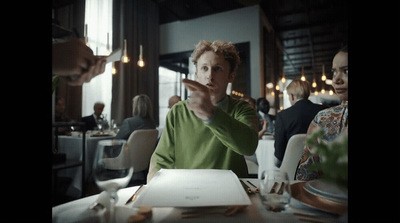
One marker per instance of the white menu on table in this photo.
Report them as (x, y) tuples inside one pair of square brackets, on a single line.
[(192, 188)]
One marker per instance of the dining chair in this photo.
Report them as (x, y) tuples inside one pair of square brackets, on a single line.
[(292, 154), (141, 144)]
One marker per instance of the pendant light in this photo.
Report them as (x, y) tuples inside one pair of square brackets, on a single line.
[(283, 80), (86, 35), (140, 61), (303, 78), (108, 44), (113, 69), (323, 78), (125, 57), (314, 83)]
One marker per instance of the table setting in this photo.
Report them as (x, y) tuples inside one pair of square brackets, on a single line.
[(210, 196)]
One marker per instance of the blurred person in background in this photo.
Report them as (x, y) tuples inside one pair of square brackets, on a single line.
[(61, 116), (142, 117), (263, 124), (95, 118), (295, 119), (263, 109)]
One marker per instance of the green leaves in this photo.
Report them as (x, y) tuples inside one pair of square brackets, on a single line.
[(334, 158)]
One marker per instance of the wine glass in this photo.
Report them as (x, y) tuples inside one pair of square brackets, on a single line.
[(113, 169), (275, 189), (100, 125)]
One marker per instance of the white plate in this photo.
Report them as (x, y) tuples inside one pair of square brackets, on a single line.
[(300, 194), (326, 190)]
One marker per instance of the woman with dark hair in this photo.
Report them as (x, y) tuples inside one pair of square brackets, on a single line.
[(333, 121), (263, 109)]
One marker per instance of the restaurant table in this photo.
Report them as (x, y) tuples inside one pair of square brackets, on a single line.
[(72, 147), (265, 154), (256, 212)]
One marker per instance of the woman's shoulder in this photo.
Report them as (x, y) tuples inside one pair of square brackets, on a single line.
[(331, 110)]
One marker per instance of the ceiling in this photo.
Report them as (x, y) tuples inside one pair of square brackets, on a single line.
[(310, 31)]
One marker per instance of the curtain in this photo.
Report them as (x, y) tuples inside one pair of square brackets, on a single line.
[(98, 20), (137, 22)]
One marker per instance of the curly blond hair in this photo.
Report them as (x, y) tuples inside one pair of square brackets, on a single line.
[(227, 49)]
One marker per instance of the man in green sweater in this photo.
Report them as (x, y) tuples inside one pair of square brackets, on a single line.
[(210, 130)]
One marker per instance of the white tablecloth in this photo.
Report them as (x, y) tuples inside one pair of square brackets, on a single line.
[(256, 212), (72, 147), (265, 154)]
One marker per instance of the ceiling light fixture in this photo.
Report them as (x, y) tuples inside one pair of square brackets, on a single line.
[(303, 78), (125, 57), (140, 62), (323, 78)]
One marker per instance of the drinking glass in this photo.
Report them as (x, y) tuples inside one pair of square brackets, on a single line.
[(275, 189), (113, 170), (100, 125)]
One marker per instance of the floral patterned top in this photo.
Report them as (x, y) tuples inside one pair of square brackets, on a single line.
[(332, 121)]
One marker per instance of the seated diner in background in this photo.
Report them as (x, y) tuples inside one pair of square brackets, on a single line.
[(210, 130), (263, 124), (295, 119), (333, 121), (141, 117), (92, 120), (60, 115)]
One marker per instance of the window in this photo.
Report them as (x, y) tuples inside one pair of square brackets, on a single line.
[(98, 22), (169, 85)]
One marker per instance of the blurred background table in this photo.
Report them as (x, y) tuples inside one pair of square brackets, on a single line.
[(72, 147), (265, 154)]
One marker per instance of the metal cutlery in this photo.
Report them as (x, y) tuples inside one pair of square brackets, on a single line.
[(246, 188), (133, 197), (274, 187), (256, 188)]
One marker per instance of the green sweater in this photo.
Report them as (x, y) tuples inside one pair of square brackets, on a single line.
[(187, 142)]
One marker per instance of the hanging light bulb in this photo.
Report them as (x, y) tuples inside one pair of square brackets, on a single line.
[(283, 80), (125, 57), (108, 44), (323, 78), (303, 78), (86, 35), (330, 92), (269, 85), (140, 61), (113, 70), (314, 83)]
